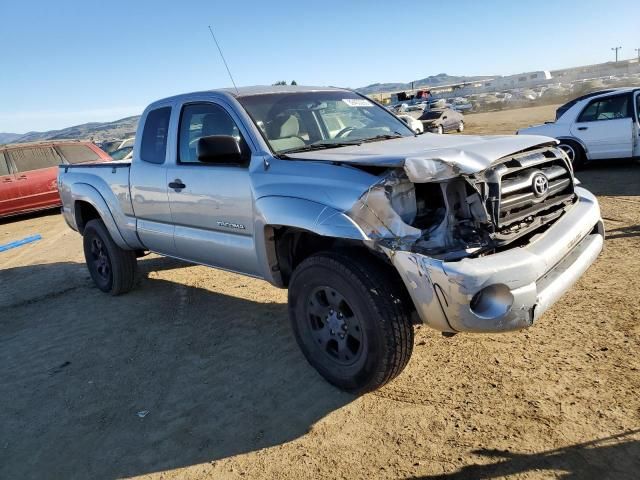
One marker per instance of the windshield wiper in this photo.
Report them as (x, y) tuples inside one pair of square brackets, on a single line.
[(320, 146), (386, 136)]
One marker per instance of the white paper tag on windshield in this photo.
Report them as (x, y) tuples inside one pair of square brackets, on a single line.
[(357, 102)]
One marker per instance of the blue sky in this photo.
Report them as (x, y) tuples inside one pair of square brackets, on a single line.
[(72, 61)]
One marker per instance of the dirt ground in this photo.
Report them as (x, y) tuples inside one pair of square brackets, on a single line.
[(209, 357)]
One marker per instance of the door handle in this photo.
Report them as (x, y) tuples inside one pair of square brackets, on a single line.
[(22, 177), (7, 180), (177, 184), (583, 128)]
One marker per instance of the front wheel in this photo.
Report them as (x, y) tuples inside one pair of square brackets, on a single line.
[(461, 127), (440, 130), (350, 316), (112, 269), (574, 151)]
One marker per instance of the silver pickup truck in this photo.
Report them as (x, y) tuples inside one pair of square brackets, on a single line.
[(371, 227)]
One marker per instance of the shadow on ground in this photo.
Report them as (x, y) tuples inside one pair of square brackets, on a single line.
[(93, 386), (615, 457), (611, 177)]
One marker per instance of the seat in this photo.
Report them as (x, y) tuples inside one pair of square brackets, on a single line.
[(283, 133)]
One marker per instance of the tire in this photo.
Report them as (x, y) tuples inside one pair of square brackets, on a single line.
[(350, 316), (575, 153), (112, 269), (461, 126), (440, 130)]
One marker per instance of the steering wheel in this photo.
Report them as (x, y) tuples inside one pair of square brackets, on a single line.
[(344, 131)]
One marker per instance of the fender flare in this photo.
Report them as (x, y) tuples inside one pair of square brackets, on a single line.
[(83, 192), (276, 211)]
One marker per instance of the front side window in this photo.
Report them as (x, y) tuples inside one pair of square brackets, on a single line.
[(154, 135), (638, 106), (203, 120), (297, 121), (4, 168), (610, 108), (77, 153), (34, 158)]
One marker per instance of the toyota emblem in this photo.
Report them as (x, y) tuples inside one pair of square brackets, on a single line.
[(540, 185)]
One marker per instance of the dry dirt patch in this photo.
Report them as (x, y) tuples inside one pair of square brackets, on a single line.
[(209, 355)]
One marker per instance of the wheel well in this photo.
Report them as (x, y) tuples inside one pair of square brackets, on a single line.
[(292, 245), (84, 212), (575, 142)]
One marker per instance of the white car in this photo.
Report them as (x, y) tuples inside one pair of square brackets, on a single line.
[(413, 123), (596, 126)]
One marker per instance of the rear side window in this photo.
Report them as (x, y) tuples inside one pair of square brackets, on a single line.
[(27, 159), (610, 108), (4, 168), (154, 136), (77, 153)]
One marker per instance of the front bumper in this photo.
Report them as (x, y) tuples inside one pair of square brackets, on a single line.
[(518, 285)]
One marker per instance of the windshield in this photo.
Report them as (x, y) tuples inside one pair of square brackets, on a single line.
[(121, 153), (298, 121)]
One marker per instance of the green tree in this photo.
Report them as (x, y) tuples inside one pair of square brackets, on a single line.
[(293, 82), (280, 82)]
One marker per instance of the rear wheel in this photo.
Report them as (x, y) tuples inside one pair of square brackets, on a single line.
[(350, 317), (461, 126), (112, 269), (574, 151)]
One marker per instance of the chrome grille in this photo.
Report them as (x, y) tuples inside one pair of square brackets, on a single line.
[(529, 185)]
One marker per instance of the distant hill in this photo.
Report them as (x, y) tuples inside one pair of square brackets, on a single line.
[(98, 131), (432, 81), (9, 137)]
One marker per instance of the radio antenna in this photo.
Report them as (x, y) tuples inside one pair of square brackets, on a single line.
[(223, 60)]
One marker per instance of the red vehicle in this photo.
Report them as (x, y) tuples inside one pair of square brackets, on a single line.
[(28, 173)]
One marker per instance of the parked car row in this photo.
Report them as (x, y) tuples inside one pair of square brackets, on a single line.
[(28, 173)]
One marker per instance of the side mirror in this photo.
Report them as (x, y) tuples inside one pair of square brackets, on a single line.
[(219, 149), (444, 118)]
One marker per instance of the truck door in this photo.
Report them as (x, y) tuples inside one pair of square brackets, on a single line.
[(148, 184), (9, 195), (605, 125), (211, 204)]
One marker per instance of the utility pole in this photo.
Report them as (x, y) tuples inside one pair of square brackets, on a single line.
[(638, 52), (616, 50)]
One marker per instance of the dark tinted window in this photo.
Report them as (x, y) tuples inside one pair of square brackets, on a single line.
[(4, 168), (430, 116), (610, 108), (154, 136), (27, 159), (77, 153), (203, 120)]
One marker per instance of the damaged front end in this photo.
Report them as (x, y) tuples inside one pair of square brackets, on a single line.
[(465, 242)]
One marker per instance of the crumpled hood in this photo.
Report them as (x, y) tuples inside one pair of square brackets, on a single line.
[(460, 154)]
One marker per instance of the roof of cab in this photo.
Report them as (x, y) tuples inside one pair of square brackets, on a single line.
[(248, 91)]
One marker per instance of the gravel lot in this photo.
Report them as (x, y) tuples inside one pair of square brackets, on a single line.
[(209, 357)]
